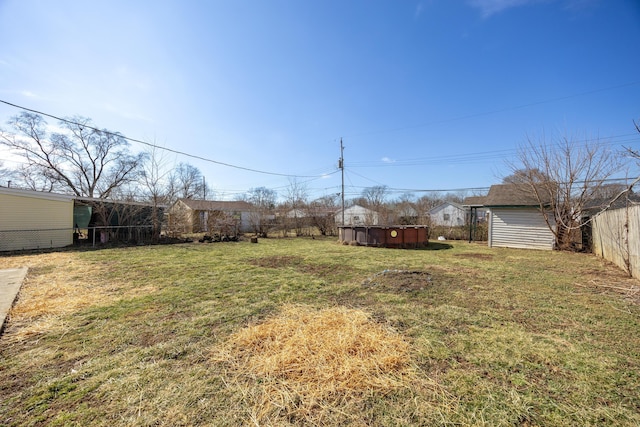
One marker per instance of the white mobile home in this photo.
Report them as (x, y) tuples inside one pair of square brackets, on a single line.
[(34, 219)]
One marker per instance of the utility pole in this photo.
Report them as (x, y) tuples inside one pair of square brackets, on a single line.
[(341, 166)]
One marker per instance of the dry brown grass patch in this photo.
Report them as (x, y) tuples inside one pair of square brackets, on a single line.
[(56, 285), (304, 362)]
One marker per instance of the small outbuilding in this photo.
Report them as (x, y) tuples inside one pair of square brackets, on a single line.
[(34, 219), (357, 215), (448, 214), (515, 219), (195, 216)]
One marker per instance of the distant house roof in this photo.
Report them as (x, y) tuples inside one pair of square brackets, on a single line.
[(596, 205), (356, 207), (515, 195), (475, 201), (212, 205)]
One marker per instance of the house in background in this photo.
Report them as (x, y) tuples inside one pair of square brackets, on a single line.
[(515, 219), (34, 219), (197, 216), (357, 215), (448, 214)]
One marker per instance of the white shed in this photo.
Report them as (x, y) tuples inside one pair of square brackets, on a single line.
[(515, 219), (357, 215), (519, 228), (34, 219), (448, 214)]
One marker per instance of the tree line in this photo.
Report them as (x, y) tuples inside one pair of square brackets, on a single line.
[(81, 159), (567, 177)]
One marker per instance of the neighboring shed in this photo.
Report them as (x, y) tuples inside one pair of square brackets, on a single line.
[(515, 219), (195, 216), (448, 214), (357, 215), (34, 219)]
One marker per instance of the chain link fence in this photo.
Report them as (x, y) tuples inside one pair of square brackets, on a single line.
[(17, 240)]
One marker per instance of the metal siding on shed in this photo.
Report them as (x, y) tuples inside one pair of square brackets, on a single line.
[(48, 222), (520, 228)]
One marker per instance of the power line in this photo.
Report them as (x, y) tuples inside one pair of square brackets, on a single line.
[(480, 156), (193, 156), (463, 158), (500, 110)]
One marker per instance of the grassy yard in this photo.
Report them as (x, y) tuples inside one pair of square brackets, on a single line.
[(230, 334)]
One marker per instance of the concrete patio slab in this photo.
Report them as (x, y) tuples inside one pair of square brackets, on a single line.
[(10, 282)]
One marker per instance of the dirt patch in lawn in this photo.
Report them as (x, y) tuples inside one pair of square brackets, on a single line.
[(279, 261), (398, 281)]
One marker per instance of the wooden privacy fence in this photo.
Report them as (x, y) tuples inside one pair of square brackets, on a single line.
[(616, 237)]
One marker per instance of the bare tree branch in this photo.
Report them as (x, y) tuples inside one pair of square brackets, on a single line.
[(567, 177), (80, 159)]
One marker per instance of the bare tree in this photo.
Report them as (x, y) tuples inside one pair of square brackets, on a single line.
[(154, 180), (187, 182), (423, 205), (322, 213), (566, 176), (296, 200), (81, 159), (375, 200), (263, 202), (6, 175), (405, 210), (634, 154), (225, 224), (524, 176), (375, 196)]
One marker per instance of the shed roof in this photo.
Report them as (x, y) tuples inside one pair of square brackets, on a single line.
[(213, 205), (514, 195)]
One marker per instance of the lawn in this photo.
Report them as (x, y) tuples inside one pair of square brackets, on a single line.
[(311, 332)]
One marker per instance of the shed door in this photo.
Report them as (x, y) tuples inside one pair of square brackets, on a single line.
[(520, 228)]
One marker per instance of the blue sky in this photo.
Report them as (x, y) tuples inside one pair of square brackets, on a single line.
[(426, 95)]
